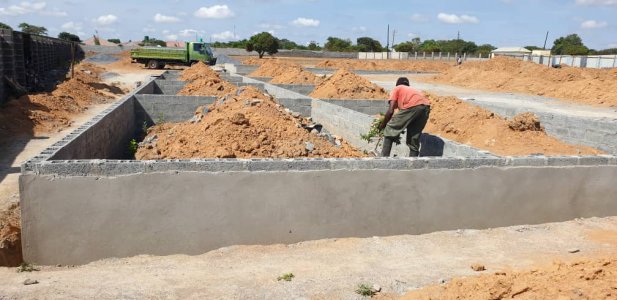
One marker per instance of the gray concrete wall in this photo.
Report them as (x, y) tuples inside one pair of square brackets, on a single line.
[(350, 124), (301, 106), (156, 109), (304, 89), (369, 107), (168, 87), (75, 220), (105, 136)]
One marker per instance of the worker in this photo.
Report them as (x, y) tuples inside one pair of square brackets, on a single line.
[(413, 112)]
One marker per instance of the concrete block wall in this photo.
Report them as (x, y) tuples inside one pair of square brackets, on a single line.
[(156, 109), (369, 107), (304, 89), (168, 87), (600, 133), (34, 55)]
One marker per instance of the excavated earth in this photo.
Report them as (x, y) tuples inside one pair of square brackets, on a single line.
[(385, 65), (344, 84), (203, 81), (465, 123), (52, 111), (504, 74), (248, 124)]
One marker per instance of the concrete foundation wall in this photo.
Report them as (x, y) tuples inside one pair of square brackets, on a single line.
[(304, 89), (350, 124), (155, 109), (105, 136), (369, 107), (301, 106), (75, 220)]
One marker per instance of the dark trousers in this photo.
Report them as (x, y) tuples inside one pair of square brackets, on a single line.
[(413, 120)]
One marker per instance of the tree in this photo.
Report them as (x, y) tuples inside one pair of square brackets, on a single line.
[(485, 49), (610, 51), (4, 26), (263, 43), (288, 45), (152, 42), (430, 46), (569, 45), (27, 28), (409, 46), (115, 41), (338, 44), (69, 37), (313, 46), (531, 48), (367, 44)]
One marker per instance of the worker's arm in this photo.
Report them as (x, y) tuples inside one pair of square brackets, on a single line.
[(389, 113)]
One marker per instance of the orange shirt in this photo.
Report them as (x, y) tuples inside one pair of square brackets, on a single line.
[(407, 97)]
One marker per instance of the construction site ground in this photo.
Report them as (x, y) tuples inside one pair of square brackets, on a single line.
[(324, 269)]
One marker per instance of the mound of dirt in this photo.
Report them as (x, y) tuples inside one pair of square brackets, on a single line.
[(198, 70), (273, 68), (207, 87), (297, 75), (45, 112), (347, 85), (589, 279), (526, 122), (256, 61), (465, 123), (248, 124), (580, 85), (385, 65), (10, 237)]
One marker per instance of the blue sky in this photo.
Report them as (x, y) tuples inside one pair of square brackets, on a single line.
[(499, 22)]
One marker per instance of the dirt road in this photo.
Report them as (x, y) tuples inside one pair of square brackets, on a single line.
[(325, 269)]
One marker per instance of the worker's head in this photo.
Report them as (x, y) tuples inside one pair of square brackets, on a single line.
[(402, 81)]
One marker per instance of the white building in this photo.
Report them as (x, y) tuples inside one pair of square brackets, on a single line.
[(510, 51)]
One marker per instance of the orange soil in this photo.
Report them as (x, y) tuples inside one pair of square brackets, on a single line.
[(204, 82), (10, 237), (588, 279), (247, 125), (465, 123), (297, 75), (273, 68), (346, 85), (385, 65), (586, 86), (45, 112)]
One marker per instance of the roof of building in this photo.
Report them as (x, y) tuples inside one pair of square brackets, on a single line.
[(512, 49)]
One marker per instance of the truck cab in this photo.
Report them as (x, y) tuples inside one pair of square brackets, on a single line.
[(200, 51)]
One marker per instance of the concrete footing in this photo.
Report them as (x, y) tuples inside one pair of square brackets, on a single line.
[(83, 200)]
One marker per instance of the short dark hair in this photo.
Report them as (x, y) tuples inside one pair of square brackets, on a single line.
[(402, 81)]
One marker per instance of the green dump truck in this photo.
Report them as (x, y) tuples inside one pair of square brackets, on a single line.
[(158, 57)]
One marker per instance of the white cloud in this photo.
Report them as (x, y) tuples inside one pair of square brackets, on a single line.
[(171, 37), (214, 12), (149, 30), (305, 22), (160, 18), (225, 35), (271, 26), (105, 20), (54, 13), (418, 18), (358, 29), (454, 19), (593, 24), (72, 26), (22, 8), (596, 2), (188, 32)]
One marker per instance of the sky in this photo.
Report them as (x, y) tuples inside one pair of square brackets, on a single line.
[(503, 23)]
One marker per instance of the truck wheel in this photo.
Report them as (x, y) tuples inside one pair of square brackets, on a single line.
[(153, 64), (161, 65)]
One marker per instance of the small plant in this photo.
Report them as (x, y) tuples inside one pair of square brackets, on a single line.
[(365, 289), (286, 277), (144, 127), (26, 267), (160, 119), (374, 131), (133, 145)]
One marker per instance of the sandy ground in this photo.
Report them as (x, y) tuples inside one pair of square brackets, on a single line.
[(325, 269)]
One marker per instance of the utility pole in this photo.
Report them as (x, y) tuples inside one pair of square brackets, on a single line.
[(388, 39), (234, 38), (545, 40), (458, 35), (393, 35)]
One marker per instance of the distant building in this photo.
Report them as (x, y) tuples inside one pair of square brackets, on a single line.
[(510, 51), (541, 52), (102, 42)]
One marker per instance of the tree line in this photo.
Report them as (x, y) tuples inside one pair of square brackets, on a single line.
[(267, 43)]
